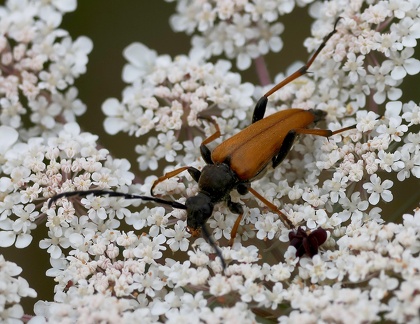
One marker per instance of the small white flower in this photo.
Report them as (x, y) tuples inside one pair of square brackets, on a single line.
[(14, 288), (267, 227), (168, 146), (378, 190), (405, 64), (353, 206), (147, 158), (411, 165), (245, 254), (113, 108), (8, 137), (316, 267), (219, 285), (355, 67), (382, 285), (390, 161), (141, 60), (367, 121), (178, 237)]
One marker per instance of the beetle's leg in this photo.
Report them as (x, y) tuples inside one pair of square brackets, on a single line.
[(193, 172), (287, 144), (216, 134), (235, 229), (243, 188), (273, 208), (235, 208), (261, 105), (205, 151), (291, 136), (322, 132)]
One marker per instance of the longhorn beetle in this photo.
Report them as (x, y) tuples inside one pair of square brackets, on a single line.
[(234, 165)]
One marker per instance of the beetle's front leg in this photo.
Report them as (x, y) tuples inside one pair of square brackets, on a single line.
[(195, 174)]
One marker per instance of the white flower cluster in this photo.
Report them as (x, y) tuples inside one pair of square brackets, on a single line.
[(38, 65), (241, 30), (386, 256), (168, 95), (368, 268), (93, 308), (12, 289), (36, 170)]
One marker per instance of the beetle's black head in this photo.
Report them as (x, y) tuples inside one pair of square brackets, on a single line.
[(199, 210)]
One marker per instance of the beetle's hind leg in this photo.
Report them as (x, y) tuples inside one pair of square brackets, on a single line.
[(286, 146), (259, 110), (323, 132), (291, 136)]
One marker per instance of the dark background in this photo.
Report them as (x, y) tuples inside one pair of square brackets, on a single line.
[(112, 26)]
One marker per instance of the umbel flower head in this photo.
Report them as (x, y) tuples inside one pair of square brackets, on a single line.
[(13, 288), (39, 63), (350, 256)]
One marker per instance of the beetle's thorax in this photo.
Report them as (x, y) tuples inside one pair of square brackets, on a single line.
[(215, 184), (217, 181)]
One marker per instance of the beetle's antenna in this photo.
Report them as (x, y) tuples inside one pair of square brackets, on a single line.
[(210, 240), (98, 192)]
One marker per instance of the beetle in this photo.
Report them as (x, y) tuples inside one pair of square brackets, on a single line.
[(233, 164)]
